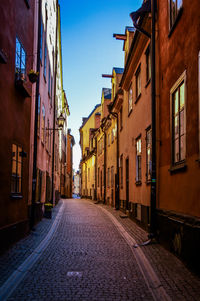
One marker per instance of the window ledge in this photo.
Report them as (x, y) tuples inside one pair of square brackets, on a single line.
[(176, 22), (147, 83), (16, 196), (138, 183), (138, 97), (178, 168), (130, 112)]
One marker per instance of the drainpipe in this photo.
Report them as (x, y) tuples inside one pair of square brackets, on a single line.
[(104, 199), (32, 217), (153, 106), (54, 112), (95, 183), (117, 160)]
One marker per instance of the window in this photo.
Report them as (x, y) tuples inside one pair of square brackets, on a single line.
[(108, 177), (130, 99), (148, 64), (112, 136), (43, 124), (16, 180), (20, 58), (98, 176), (103, 175), (108, 139), (112, 176), (51, 93), (174, 7), (121, 171), (121, 117), (45, 59), (199, 99), (138, 159), (27, 3), (41, 40), (38, 123), (47, 135), (49, 81), (178, 122), (138, 82), (148, 154)]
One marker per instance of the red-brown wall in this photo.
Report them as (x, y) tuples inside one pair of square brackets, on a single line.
[(16, 19), (178, 53)]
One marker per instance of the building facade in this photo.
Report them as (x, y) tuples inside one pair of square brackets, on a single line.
[(16, 60), (88, 151), (178, 201), (30, 63), (68, 183), (171, 128)]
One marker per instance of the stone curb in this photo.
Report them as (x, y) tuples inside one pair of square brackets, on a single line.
[(17, 276)]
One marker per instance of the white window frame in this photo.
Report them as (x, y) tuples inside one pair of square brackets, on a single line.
[(199, 97), (130, 99), (174, 87)]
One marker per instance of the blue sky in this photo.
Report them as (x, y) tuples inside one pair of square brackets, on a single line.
[(88, 51)]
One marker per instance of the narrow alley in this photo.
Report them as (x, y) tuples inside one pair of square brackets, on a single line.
[(86, 252)]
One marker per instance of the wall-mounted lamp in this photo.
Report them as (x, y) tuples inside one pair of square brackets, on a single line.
[(60, 122)]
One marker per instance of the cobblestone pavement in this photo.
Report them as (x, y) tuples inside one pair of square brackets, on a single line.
[(88, 259)]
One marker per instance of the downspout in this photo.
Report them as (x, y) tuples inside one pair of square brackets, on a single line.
[(152, 229), (104, 198), (153, 111), (54, 112), (117, 195), (117, 161), (32, 217), (95, 181)]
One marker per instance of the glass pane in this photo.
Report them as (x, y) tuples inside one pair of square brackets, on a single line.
[(173, 11), (176, 106), (19, 157), (139, 83), (14, 166), (179, 4), (176, 127), (19, 186), (182, 122), (139, 168), (182, 150), (19, 170), (14, 151), (17, 46), (176, 150), (182, 96), (13, 184), (17, 63), (149, 59), (137, 174)]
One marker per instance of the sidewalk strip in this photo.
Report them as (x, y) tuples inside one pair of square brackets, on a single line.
[(150, 277), (17, 276)]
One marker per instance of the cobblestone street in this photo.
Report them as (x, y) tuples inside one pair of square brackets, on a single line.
[(90, 256)]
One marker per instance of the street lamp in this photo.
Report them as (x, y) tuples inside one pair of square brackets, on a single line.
[(60, 121)]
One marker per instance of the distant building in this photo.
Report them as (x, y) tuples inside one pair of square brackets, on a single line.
[(88, 150), (69, 165), (76, 183)]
